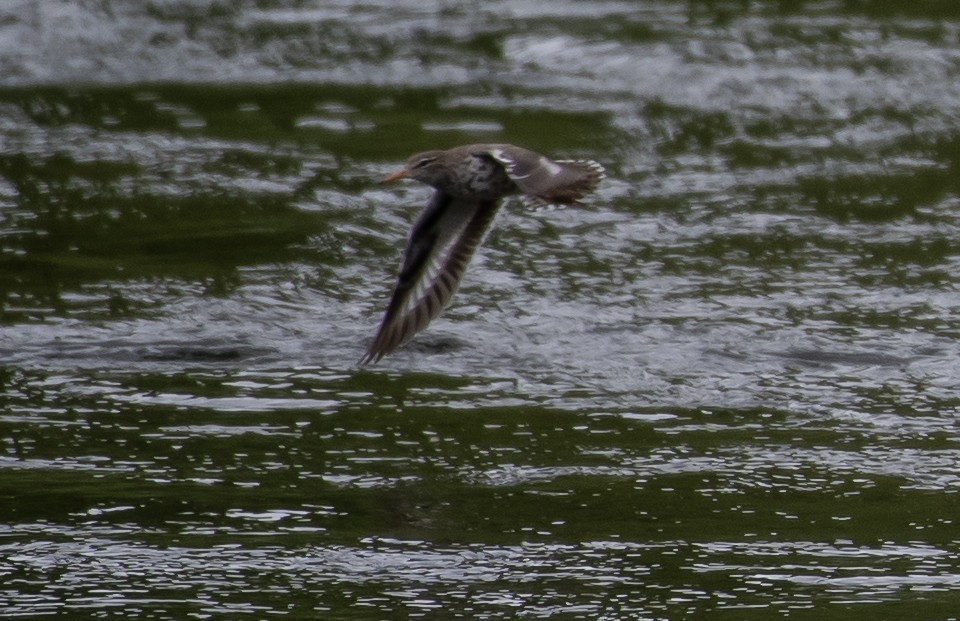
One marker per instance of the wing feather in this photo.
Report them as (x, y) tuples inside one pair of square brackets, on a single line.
[(442, 242), (547, 181)]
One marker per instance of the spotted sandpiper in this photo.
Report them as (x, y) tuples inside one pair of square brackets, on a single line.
[(471, 182)]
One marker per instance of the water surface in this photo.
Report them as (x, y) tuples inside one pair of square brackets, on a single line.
[(723, 389)]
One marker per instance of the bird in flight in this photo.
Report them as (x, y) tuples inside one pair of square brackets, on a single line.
[(470, 182)]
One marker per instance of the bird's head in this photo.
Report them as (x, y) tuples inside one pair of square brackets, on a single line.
[(424, 167)]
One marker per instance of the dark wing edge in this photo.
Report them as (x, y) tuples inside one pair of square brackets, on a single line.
[(426, 282)]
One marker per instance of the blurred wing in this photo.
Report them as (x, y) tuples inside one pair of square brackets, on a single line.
[(442, 242), (548, 181)]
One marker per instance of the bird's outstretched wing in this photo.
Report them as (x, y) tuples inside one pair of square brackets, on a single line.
[(552, 182), (441, 244)]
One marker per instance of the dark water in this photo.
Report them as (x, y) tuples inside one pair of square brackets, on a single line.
[(724, 390)]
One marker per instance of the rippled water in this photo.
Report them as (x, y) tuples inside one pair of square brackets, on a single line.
[(724, 389)]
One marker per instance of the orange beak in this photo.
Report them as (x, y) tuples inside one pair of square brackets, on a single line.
[(400, 174)]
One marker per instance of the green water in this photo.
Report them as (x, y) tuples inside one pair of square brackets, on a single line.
[(724, 389)]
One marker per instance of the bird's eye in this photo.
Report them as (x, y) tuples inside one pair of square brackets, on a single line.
[(424, 162)]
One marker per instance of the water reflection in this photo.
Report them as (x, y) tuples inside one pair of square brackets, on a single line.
[(406, 576), (478, 510)]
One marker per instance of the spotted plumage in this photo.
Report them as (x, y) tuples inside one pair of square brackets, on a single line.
[(470, 182)]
